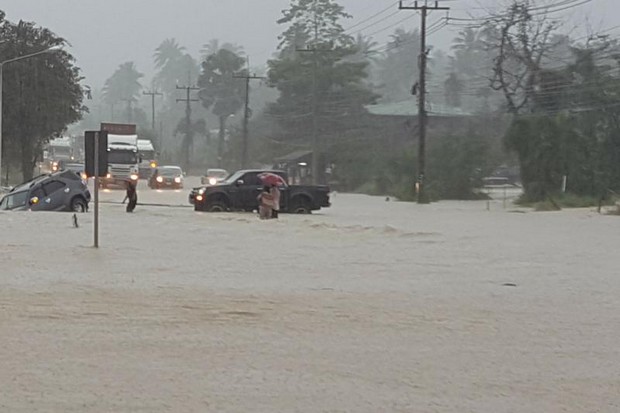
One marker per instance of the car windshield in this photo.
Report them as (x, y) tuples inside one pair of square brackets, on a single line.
[(217, 173), (170, 172), (122, 157), (15, 200), (234, 177)]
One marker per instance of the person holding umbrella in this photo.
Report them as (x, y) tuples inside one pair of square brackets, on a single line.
[(265, 203), (273, 181)]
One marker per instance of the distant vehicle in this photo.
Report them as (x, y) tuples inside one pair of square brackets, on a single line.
[(166, 177), (214, 176), (57, 150), (148, 158), (76, 167), (240, 190), (123, 160), (59, 191)]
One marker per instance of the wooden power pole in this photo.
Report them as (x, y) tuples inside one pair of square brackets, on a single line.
[(246, 114), (422, 118), (152, 94), (188, 123)]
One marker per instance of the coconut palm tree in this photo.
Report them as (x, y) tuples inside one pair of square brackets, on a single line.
[(168, 51)]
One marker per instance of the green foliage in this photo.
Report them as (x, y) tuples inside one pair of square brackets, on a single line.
[(123, 85), (330, 76), (220, 90), (318, 20), (42, 94), (455, 165)]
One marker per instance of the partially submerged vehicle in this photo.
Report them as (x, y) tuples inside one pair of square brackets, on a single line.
[(59, 191)]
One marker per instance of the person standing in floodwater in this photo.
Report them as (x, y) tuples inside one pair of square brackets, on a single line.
[(275, 195), (131, 195)]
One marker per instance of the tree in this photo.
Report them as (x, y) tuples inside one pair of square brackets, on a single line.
[(42, 95), (398, 71), (220, 91), (452, 89), (324, 88), (214, 46), (123, 87)]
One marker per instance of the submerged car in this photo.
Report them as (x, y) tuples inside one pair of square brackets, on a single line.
[(59, 191), (166, 177), (214, 176)]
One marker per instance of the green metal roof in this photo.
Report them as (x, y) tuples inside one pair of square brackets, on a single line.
[(410, 108)]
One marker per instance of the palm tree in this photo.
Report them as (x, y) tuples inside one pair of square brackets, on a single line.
[(123, 86), (220, 91), (214, 46), (168, 51)]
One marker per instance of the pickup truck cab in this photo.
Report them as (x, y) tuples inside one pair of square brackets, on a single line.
[(239, 192)]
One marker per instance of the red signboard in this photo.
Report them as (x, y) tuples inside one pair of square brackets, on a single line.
[(119, 128)]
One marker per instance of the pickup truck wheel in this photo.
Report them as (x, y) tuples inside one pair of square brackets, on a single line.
[(217, 206), (300, 206)]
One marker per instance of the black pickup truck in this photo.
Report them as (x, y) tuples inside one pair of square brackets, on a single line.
[(240, 190)]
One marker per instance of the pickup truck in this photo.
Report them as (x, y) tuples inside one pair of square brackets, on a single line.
[(239, 192)]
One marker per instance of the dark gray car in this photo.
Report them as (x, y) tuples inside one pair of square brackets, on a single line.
[(60, 191)]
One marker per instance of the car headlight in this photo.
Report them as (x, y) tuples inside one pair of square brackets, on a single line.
[(212, 181), (108, 176), (153, 164), (199, 198), (201, 191), (159, 179), (134, 177), (177, 180)]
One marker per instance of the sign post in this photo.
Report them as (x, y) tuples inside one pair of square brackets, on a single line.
[(96, 220), (96, 151)]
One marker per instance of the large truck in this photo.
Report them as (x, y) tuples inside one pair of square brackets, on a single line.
[(148, 158), (57, 150), (123, 155)]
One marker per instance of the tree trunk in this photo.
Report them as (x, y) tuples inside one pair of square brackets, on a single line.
[(28, 159), (220, 143)]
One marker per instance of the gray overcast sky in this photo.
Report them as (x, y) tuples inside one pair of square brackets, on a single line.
[(104, 34)]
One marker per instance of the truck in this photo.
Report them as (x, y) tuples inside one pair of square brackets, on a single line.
[(57, 150), (123, 156), (148, 158), (240, 190)]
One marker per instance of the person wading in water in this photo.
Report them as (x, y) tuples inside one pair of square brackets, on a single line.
[(131, 195)]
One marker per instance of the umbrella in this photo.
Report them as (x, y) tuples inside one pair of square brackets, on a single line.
[(269, 178)]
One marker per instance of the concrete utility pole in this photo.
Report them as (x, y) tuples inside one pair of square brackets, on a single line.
[(188, 121), (152, 94), (246, 117), (424, 9)]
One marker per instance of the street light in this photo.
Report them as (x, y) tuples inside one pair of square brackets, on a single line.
[(15, 59)]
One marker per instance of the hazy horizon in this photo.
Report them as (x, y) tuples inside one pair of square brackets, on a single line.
[(102, 36)]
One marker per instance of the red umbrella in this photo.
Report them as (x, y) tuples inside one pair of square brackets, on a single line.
[(270, 178)]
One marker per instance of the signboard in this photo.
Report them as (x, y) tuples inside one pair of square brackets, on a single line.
[(119, 128), (90, 151)]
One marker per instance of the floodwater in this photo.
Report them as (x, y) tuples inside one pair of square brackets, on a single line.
[(369, 306)]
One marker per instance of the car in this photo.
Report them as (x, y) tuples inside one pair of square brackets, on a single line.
[(77, 168), (58, 191), (214, 176), (166, 177), (240, 190)]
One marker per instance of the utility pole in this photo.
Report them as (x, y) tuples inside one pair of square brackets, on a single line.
[(315, 101), (152, 94), (188, 122), (246, 117), (422, 118)]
